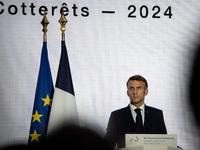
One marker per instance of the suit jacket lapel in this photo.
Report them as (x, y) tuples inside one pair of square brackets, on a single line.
[(146, 117), (129, 117)]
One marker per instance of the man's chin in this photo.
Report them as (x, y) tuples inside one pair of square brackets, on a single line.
[(136, 102)]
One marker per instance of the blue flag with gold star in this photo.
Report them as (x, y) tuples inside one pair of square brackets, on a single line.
[(43, 100)]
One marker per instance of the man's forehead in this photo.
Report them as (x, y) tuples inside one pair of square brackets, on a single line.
[(136, 83)]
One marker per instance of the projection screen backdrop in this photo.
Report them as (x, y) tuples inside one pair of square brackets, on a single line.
[(107, 42)]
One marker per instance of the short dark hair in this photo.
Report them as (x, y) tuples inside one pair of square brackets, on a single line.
[(138, 78)]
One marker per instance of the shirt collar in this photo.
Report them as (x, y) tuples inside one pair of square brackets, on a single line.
[(133, 107)]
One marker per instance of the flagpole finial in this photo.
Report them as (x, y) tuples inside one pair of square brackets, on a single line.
[(63, 22), (44, 23)]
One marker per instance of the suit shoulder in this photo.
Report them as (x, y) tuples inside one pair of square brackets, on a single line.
[(121, 110), (149, 108)]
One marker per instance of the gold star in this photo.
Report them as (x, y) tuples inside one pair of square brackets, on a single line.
[(36, 116), (35, 136), (47, 101)]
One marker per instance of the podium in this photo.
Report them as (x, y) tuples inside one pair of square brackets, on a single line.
[(150, 148), (150, 142)]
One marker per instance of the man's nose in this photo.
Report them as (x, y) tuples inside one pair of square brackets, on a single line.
[(134, 91)]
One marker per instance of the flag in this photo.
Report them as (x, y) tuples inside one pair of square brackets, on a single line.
[(64, 110), (43, 100)]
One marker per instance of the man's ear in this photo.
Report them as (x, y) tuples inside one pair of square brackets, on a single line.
[(127, 93), (146, 91)]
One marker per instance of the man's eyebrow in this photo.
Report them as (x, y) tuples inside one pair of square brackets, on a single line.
[(135, 86), (139, 86)]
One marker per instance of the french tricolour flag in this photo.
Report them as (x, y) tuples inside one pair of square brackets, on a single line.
[(64, 110)]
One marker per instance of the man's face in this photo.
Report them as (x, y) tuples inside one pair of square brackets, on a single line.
[(136, 92)]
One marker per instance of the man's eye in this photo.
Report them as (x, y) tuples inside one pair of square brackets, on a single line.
[(131, 88)]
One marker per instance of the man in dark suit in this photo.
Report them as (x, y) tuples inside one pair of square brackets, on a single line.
[(136, 117)]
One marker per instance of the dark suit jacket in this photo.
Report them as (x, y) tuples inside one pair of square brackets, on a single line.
[(121, 122)]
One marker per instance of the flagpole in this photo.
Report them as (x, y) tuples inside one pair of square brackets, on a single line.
[(63, 22), (64, 110), (44, 23), (43, 95)]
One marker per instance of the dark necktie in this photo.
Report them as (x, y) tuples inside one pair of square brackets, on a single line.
[(139, 119)]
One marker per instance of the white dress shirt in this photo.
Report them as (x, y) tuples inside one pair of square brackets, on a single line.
[(134, 114)]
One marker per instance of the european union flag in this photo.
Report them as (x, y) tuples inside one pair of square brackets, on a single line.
[(43, 100)]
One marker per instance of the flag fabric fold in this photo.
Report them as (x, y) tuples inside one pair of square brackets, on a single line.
[(43, 100), (64, 110)]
